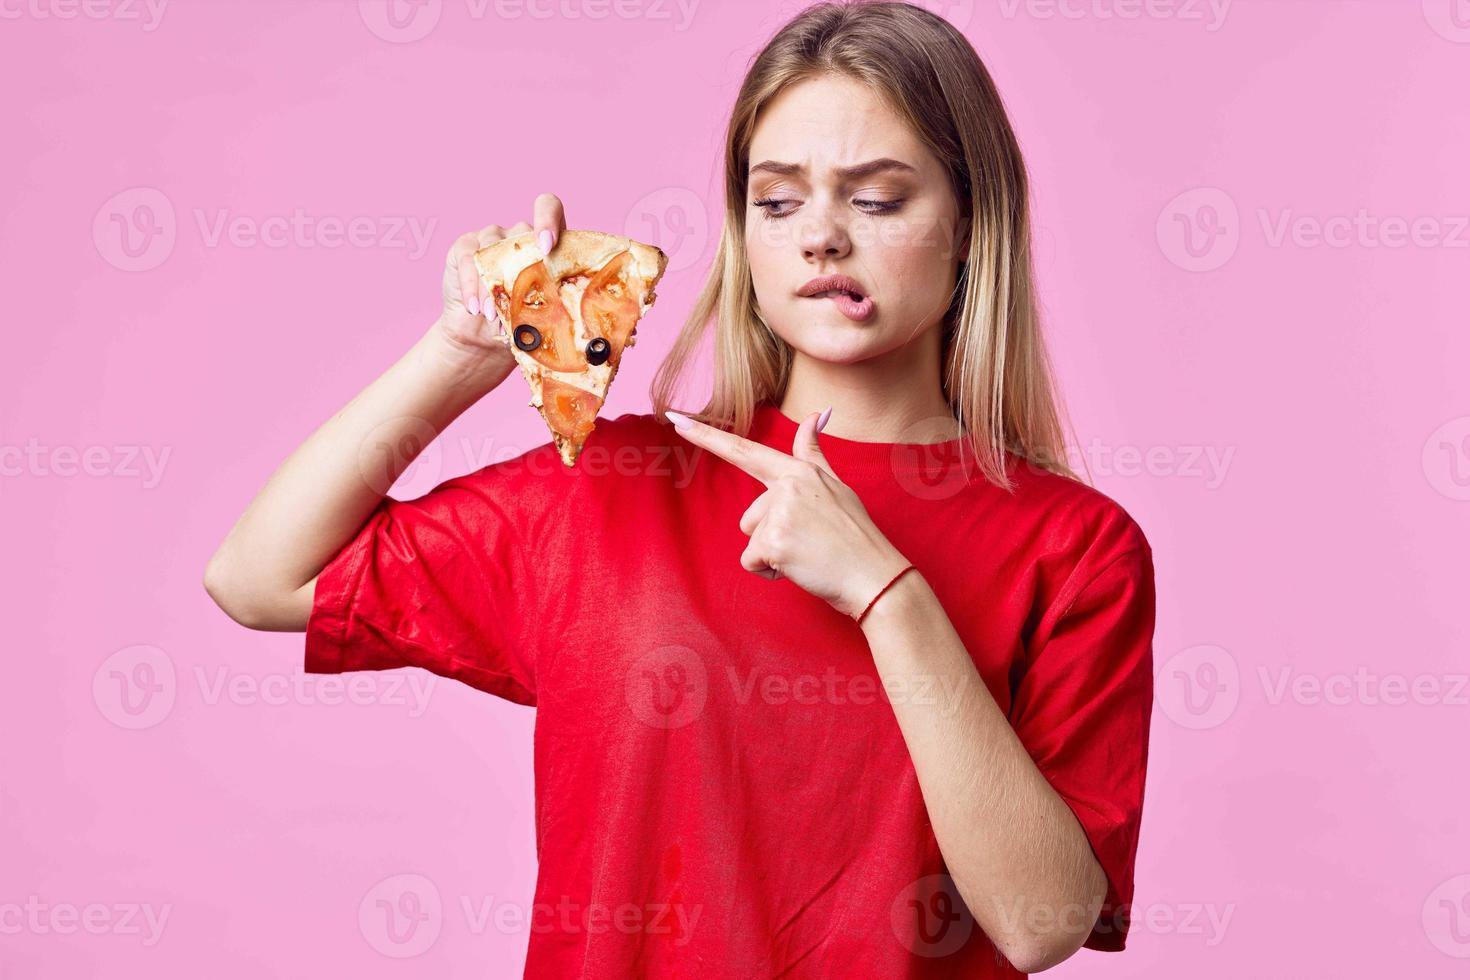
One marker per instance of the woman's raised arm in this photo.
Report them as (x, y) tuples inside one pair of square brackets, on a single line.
[(263, 575)]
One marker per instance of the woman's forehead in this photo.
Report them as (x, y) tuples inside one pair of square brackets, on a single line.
[(825, 124)]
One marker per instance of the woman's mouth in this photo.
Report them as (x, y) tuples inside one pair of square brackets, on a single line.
[(852, 305)]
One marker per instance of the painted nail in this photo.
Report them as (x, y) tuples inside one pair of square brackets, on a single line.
[(473, 305), (826, 414), (545, 240), (682, 421)]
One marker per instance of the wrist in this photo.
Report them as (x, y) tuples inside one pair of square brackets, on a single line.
[(475, 370), (887, 576), (900, 599)]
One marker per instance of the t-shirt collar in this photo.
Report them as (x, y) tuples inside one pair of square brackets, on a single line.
[(850, 457)]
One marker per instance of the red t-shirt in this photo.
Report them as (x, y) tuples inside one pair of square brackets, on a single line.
[(722, 789)]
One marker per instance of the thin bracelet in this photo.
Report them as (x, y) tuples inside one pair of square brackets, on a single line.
[(880, 593)]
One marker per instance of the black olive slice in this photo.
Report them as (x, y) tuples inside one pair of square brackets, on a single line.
[(528, 338), (598, 350)]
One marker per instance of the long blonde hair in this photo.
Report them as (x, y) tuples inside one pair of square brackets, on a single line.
[(996, 377)]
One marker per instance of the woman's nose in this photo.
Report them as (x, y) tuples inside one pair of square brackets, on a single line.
[(821, 235)]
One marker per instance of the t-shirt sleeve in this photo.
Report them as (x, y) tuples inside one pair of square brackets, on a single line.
[(439, 582), (1082, 710)]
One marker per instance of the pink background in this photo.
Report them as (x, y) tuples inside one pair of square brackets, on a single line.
[(1285, 412)]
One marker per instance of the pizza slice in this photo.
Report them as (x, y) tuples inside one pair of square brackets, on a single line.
[(567, 316)]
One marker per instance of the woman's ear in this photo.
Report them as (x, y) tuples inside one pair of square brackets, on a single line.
[(962, 240)]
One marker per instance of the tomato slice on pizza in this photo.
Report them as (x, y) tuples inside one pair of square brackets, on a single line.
[(567, 316)]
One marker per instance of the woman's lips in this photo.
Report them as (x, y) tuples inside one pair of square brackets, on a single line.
[(856, 308)]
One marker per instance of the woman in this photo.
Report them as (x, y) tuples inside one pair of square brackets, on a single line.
[(913, 742)]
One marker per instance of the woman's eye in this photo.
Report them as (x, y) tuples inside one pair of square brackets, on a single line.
[(768, 205)]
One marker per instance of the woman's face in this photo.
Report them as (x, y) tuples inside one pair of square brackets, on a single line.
[(815, 207)]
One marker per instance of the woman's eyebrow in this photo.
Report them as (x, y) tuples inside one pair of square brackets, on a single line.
[(847, 173)]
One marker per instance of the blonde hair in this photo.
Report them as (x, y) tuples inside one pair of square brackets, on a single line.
[(996, 375)]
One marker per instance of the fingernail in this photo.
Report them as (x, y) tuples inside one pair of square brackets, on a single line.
[(473, 305), (827, 414), (546, 240), (682, 421)]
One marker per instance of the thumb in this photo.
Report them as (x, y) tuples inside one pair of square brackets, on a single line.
[(805, 445)]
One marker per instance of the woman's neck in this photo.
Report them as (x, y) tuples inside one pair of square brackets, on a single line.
[(892, 398)]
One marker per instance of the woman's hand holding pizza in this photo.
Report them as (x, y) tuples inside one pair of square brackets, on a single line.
[(808, 526), (469, 322)]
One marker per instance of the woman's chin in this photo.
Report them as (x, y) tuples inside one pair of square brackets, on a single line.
[(840, 343)]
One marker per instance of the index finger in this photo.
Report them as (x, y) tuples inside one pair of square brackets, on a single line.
[(548, 219), (757, 459)]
